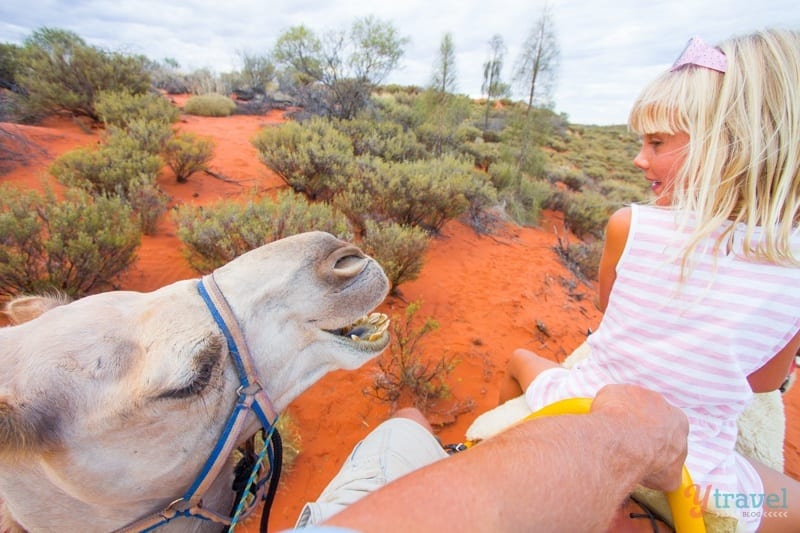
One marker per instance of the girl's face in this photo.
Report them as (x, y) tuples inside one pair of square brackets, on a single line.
[(661, 156)]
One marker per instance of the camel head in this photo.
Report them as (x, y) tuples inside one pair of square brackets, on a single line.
[(110, 405)]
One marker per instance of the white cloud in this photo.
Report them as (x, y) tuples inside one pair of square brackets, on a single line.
[(608, 52)]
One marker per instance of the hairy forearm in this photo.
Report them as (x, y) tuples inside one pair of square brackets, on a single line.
[(577, 468)]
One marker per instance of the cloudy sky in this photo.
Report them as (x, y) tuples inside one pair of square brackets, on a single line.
[(607, 53)]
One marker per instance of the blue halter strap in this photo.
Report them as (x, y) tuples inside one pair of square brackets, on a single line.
[(251, 398)]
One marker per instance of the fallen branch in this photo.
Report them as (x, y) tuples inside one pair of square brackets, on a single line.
[(220, 176)]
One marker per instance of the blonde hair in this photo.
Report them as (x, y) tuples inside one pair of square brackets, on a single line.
[(743, 158)]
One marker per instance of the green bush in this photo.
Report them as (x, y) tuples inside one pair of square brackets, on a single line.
[(214, 235), (77, 245), (525, 202), (618, 192), (586, 213), (148, 201), (209, 105), (482, 198), (483, 154), (504, 175), (425, 194), (399, 250), (310, 158), (186, 153), (108, 170), (381, 138), (149, 135), (60, 72), (118, 108)]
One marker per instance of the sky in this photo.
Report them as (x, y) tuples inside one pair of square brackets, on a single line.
[(607, 54)]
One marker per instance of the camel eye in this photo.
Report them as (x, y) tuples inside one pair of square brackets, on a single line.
[(205, 364)]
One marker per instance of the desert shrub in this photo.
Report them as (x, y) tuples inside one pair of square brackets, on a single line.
[(582, 259), (381, 138), (291, 439), (245, 456), (483, 154), (149, 135), (186, 153), (441, 138), (392, 107), (576, 181), (80, 168), (503, 175), (204, 82), (404, 370), (310, 157), (438, 139), (481, 198), (424, 193), (209, 105), (108, 170), (573, 178), (167, 75), (586, 213), (399, 249), (215, 234), (76, 245), (118, 108), (618, 192), (148, 201), (60, 72), (524, 203), (595, 171)]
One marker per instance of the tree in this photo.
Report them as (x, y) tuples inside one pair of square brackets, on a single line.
[(60, 72), (9, 65), (444, 73), (538, 60), (346, 65), (492, 86), (257, 72)]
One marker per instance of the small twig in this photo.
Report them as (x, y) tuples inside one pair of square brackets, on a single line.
[(220, 176)]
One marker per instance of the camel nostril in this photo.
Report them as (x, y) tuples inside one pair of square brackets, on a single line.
[(349, 264)]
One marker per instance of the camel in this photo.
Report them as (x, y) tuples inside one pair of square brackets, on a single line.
[(110, 405)]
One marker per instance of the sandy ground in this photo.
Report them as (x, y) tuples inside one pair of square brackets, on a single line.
[(490, 294)]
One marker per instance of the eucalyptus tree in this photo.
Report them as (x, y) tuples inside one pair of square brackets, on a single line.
[(444, 69), (493, 86), (537, 65), (339, 70)]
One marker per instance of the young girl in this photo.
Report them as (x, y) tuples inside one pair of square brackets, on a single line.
[(701, 291)]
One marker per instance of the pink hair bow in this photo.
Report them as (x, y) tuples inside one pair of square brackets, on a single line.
[(700, 54)]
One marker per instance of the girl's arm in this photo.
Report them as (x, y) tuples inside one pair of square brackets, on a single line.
[(771, 376), (616, 237)]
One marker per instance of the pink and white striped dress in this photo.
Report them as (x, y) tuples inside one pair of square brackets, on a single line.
[(694, 342)]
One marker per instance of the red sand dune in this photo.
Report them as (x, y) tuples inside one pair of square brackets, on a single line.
[(490, 294)]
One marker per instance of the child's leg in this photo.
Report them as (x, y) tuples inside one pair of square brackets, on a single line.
[(776, 518), (522, 369)]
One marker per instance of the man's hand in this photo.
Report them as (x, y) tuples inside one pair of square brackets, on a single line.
[(658, 431)]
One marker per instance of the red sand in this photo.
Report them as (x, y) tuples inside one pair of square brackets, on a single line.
[(490, 294)]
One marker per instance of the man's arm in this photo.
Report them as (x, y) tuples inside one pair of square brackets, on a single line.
[(565, 473)]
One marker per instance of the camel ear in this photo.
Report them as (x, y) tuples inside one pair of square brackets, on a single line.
[(26, 308), (26, 429)]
